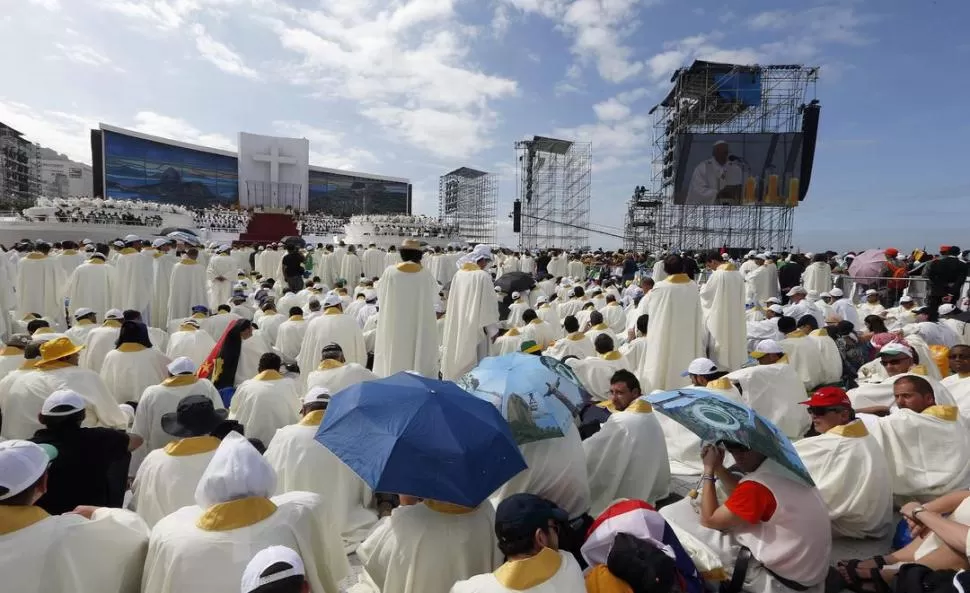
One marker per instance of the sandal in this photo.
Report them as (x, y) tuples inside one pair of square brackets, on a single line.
[(856, 579)]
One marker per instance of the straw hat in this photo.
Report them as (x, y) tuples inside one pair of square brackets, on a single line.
[(411, 244), (57, 349)]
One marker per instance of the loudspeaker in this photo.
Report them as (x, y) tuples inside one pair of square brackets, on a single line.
[(517, 216)]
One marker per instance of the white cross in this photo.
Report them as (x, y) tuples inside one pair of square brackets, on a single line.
[(275, 160)]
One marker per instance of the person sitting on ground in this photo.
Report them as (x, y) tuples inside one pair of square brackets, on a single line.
[(574, 344), (276, 569), (595, 371)]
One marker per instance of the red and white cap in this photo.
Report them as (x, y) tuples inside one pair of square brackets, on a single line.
[(254, 578), (634, 517)]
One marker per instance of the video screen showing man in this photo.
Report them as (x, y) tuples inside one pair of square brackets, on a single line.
[(717, 180)]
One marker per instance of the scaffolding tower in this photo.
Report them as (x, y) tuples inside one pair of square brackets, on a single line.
[(466, 202), (553, 178), (20, 179), (714, 98)]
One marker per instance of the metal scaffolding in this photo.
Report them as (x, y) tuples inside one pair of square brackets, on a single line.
[(466, 201), (20, 179), (553, 178), (709, 98)]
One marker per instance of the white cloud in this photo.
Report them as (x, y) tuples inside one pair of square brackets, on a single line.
[(500, 20), (165, 15), (611, 110), (221, 55), (84, 55), (405, 66), (174, 128), (64, 132), (327, 148), (51, 5), (598, 29)]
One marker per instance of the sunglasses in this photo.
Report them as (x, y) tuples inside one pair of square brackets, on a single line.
[(821, 411)]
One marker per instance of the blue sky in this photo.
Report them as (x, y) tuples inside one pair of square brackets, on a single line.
[(415, 88)]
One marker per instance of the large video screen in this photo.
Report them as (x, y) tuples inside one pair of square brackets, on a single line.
[(738, 169), (145, 170), (347, 195)]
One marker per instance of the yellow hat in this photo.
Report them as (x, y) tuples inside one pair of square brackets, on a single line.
[(55, 350)]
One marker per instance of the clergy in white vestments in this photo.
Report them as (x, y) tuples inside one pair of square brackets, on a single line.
[(348, 500), (574, 304), (595, 372), (93, 550), (12, 354), (219, 273), (270, 321), (85, 320), (215, 325), (926, 445), (40, 285), (773, 389), (91, 286), (188, 283), (574, 344), (332, 327), (190, 341), (56, 370), (407, 337), (236, 356), (134, 275), (351, 267), (506, 343), (472, 315), (168, 476), (676, 327), (635, 350), (289, 336), (133, 365), (683, 446), (519, 305), (818, 275), (762, 281), (781, 520), (803, 354), (848, 467), (597, 327), (871, 305), (828, 350), (537, 330), (165, 261), (158, 400), (876, 395), (959, 382), (206, 547), (556, 471), (335, 373), (429, 546), (627, 457), (845, 309), (69, 257), (614, 315), (373, 261), (267, 402), (528, 537), (391, 258), (722, 299), (800, 305)]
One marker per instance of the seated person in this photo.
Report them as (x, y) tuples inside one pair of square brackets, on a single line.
[(782, 522), (848, 467), (595, 371), (896, 358), (773, 389)]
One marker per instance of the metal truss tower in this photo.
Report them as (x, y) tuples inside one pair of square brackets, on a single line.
[(553, 178), (466, 201), (703, 100)]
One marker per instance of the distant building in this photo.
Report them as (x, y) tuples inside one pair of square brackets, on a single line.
[(19, 170), (132, 165), (63, 178)]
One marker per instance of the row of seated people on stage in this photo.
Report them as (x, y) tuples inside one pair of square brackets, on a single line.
[(78, 215), (222, 219), (403, 224), (318, 224)]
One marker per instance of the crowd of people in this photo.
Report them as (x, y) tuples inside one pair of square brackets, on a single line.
[(320, 224), (167, 418), (222, 219), (405, 225)]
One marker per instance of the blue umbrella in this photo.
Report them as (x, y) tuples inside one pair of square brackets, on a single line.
[(715, 418), (538, 395), (407, 434)]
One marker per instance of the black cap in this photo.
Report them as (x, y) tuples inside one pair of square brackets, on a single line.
[(520, 515), (194, 416)]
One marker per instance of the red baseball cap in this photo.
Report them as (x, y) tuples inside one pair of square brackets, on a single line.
[(828, 396), (892, 252)]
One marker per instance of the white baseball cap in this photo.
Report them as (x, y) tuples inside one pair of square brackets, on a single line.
[(871, 292), (63, 402), (81, 312), (836, 292), (797, 290), (253, 577), (160, 242), (317, 394), (542, 300), (906, 299), (182, 365), (825, 295), (701, 366), (777, 309), (946, 309), (119, 243), (132, 238), (515, 294), (116, 314), (370, 294), (21, 464), (331, 300), (222, 249), (774, 300), (767, 347)]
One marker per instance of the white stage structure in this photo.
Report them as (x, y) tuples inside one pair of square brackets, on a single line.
[(273, 171)]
